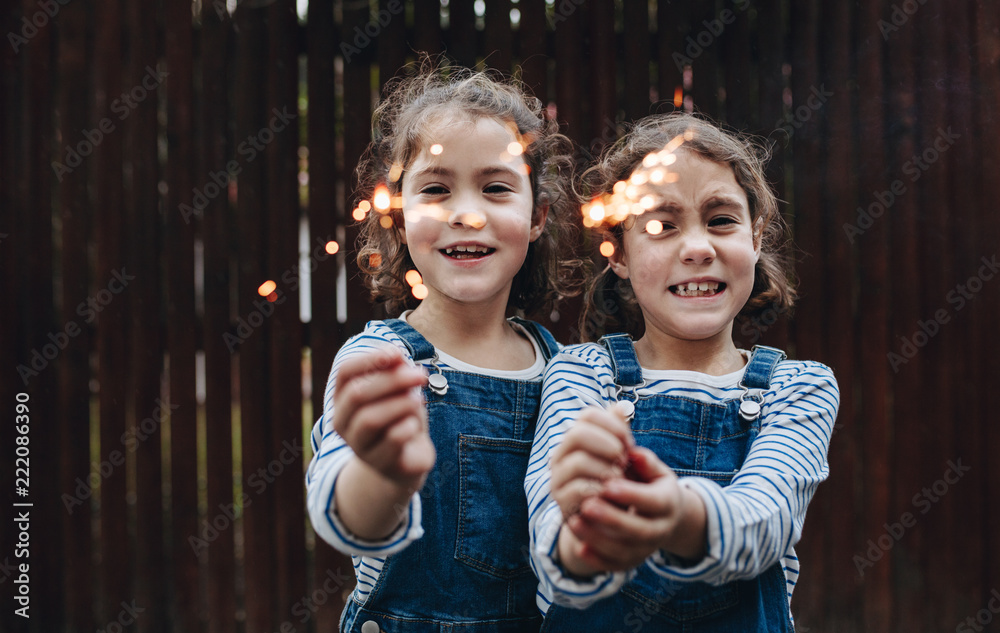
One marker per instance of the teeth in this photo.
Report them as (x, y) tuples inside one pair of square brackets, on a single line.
[(461, 248), (696, 289)]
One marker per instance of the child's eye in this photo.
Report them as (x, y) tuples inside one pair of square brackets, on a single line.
[(722, 220), (497, 188), (434, 190)]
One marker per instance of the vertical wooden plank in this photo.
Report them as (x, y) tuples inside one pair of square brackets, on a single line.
[(427, 26), (637, 61), (937, 275), (392, 45), (704, 22), (462, 32), (357, 108), (670, 23), (965, 355), (567, 22), (284, 328), (602, 86), (498, 36), (812, 589), (839, 198), (987, 61), (112, 324), (76, 211), (181, 319), (738, 71), (874, 295), (907, 574), (258, 535), (531, 48), (324, 174), (215, 41)]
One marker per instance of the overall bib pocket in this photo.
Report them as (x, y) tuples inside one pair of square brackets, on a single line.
[(492, 531)]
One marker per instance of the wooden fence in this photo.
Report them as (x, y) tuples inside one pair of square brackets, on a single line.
[(159, 158)]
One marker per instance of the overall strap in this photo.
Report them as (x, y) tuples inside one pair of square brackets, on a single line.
[(763, 361), (546, 342), (624, 362), (420, 348)]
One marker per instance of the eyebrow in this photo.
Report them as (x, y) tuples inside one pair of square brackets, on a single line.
[(491, 170), (712, 203)]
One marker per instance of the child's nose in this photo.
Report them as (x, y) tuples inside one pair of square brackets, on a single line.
[(466, 215), (697, 248)]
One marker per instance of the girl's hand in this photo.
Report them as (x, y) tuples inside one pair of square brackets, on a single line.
[(380, 412), (592, 452), (631, 520)]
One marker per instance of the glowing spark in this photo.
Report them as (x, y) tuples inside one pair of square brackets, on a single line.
[(647, 203), (654, 227), (515, 148), (678, 96), (596, 212), (420, 291), (638, 178), (413, 278), (656, 176), (385, 221), (359, 214), (607, 249), (396, 202), (525, 169), (332, 247), (365, 206), (272, 297), (436, 149), (374, 260), (619, 186), (266, 288), (382, 200)]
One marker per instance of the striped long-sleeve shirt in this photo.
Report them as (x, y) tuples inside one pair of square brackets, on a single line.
[(331, 453), (751, 524)]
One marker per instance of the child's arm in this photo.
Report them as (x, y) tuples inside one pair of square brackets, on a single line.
[(333, 455), (752, 523), (571, 384)]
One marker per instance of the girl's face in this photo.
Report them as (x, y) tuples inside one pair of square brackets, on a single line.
[(467, 206), (694, 276)]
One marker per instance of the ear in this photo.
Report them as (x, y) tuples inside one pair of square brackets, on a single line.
[(399, 225), (538, 223), (618, 261), (758, 236)]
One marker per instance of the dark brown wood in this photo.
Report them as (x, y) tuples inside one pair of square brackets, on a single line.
[(392, 45), (427, 26), (217, 232), (874, 259), (254, 425), (284, 328), (569, 93), (462, 32), (701, 46), (601, 85), (636, 59), (531, 48), (181, 319), (670, 54), (498, 36)]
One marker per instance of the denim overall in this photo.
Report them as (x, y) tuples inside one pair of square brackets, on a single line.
[(695, 439), (470, 570)]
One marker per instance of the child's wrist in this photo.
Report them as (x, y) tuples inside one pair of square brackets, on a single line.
[(688, 540), (571, 564)]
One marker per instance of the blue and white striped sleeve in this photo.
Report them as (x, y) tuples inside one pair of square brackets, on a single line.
[(571, 383), (331, 454), (755, 520)]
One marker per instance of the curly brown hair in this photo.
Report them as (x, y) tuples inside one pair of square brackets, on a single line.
[(410, 105), (609, 303)]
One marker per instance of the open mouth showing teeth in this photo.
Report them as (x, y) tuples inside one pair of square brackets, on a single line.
[(698, 289), (467, 252)]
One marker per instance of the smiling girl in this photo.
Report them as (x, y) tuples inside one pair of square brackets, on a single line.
[(428, 419), (671, 471)]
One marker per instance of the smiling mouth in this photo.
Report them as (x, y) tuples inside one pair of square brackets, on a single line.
[(698, 289), (467, 252)]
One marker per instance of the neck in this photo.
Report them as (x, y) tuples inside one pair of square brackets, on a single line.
[(714, 356), (461, 329)]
